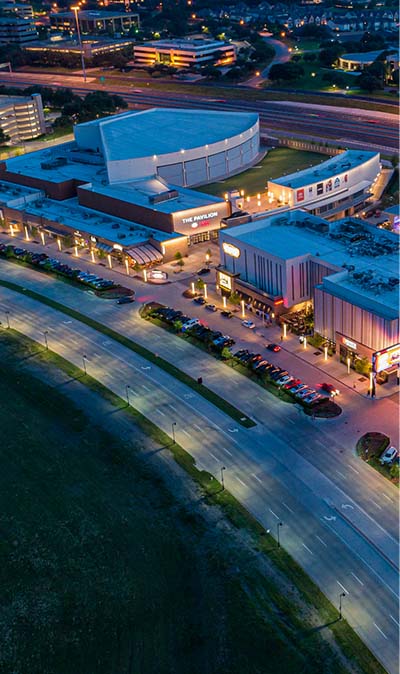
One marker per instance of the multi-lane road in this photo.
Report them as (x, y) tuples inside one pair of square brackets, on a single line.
[(347, 126), (340, 518)]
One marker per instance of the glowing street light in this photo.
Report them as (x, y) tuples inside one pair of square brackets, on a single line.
[(243, 311), (305, 343), (92, 255), (193, 288), (127, 265), (8, 319), (205, 291), (284, 330), (325, 353), (43, 238), (109, 261), (59, 244), (224, 301), (26, 233), (76, 9), (76, 251), (84, 359), (348, 365)]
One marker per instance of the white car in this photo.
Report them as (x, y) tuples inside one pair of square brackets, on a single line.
[(312, 397), (190, 324), (388, 456), (249, 324), (284, 380), (304, 393)]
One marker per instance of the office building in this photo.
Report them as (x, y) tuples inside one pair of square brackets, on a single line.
[(185, 53), (21, 117)]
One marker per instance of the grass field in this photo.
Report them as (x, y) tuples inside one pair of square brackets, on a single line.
[(276, 163), (106, 571)]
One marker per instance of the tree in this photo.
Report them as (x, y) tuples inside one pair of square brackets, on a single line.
[(234, 298), (330, 55), (199, 284), (179, 260), (286, 72), (394, 471), (226, 353), (3, 137), (369, 82)]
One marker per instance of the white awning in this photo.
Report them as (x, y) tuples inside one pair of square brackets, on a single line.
[(144, 254)]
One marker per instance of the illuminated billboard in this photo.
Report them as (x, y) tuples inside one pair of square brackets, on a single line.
[(230, 249), (225, 281), (386, 359)]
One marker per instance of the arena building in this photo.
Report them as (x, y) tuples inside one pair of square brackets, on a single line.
[(347, 269), (336, 188), (137, 169)]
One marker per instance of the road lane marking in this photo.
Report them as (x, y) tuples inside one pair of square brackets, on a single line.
[(305, 546), (213, 456), (357, 472), (343, 588), (320, 540), (233, 430), (274, 514), (160, 412), (341, 474), (357, 578), (387, 497), (257, 478), (379, 630), (287, 507), (241, 481), (376, 504), (394, 620), (224, 449), (186, 433)]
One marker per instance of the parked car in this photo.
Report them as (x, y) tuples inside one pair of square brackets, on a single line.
[(211, 307), (304, 392), (249, 324), (329, 388), (226, 314), (128, 299), (312, 398), (388, 456), (284, 379), (189, 324), (278, 374), (199, 300), (203, 271), (273, 347), (292, 383)]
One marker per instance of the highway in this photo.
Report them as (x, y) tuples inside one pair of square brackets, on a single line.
[(377, 131), (286, 469)]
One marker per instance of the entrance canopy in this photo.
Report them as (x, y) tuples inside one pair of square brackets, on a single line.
[(146, 254)]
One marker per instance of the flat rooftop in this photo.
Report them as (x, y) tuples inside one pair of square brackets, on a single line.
[(14, 100), (328, 169), (195, 44), (11, 193), (140, 192), (92, 15), (160, 131), (364, 257), (362, 57), (98, 224)]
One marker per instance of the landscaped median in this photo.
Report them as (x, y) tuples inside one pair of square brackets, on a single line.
[(163, 364), (210, 341), (370, 448), (298, 612)]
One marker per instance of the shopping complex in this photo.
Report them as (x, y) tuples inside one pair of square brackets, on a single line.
[(125, 188), (346, 271)]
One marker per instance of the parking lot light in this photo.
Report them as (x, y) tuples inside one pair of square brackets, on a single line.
[(193, 289), (26, 233), (243, 311), (46, 332), (92, 255), (173, 430), (325, 353), (43, 238), (348, 365), (109, 261), (278, 526), (284, 330), (145, 275), (11, 230), (222, 477), (224, 301), (305, 343), (127, 387), (205, 291), (342, 595), (8, 318), (127, 265), (76, 251), (84, 358), (59, 244)]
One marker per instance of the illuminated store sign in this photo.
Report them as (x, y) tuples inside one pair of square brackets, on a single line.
[(386, 359), (231, 250), (225, 281), (199, 220), (349, 343)]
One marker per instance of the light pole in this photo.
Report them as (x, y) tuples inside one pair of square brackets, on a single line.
[(173, 431), (84, 358), (278, 526), (76, 9), (222, 477), (46, 332), (8, 319), (127, 387), (342, 594)]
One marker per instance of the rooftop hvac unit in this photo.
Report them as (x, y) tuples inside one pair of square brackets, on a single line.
[(163, 196)]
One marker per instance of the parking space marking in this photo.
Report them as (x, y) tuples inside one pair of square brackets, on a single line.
[(341, 474), (146, 388), (197, 427), (213, 456), (160, 412), (379, 630), (259, 398), (387, 497), (321, 541), (241, 481), (357, 472), (305, 546), (186, 433), (224, 449), (343, 588), (274, 514), (357, 578)]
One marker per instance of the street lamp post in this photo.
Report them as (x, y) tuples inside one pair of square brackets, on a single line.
[(84, 363), (8, 318), (173, 431), (278, 526), (127, 387), (342, 594), (46, 332), (76, 9), (222, 477)]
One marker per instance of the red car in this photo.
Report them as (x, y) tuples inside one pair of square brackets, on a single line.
[(329, 388), (273, 347), (292, 382)]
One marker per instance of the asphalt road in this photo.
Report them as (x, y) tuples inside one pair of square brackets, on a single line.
[(288, 468), (376, 133)]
